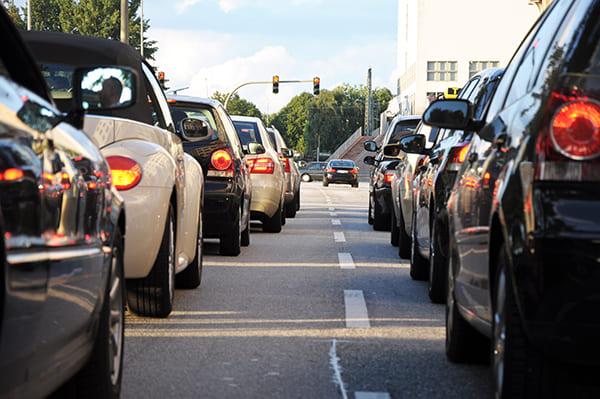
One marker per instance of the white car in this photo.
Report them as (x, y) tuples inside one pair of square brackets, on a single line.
[(162, 186), (266, 172)]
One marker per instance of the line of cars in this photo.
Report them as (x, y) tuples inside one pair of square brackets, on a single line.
[(108, 188), (496, 201)]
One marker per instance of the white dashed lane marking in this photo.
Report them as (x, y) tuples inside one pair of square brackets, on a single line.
[(356, 309), (339, 236), (336, 222), (346, 261), (371, 395)]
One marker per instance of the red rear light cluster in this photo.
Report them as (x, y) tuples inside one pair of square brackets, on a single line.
[(221, 160), (263, 165), (331, 170), (286, 164), (12, 174), (354, 171), (458, 157), (388, 177), (125, 172)]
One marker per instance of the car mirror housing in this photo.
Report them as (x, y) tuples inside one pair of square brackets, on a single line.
[(449, 114), (193, 129), (370, 160), (413, 144), (392, 150), (370, 146), (104, 88)]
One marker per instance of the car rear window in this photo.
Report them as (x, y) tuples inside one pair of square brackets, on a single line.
[(403, 128), (248, 132), (342, 164), (179, 113)]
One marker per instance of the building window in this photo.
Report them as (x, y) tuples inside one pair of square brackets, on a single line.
[(477, 66), (441, 70)]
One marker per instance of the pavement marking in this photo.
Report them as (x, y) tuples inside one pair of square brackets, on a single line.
[(356, 309), (332, 214), (371, 395), (334, 362), (339, 236), (336, 222), (346, 261), (331, 208)]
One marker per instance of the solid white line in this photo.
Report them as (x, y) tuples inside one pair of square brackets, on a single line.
[(371, 395), (334, 362), (346, 261), (336, 222), (339, 236), (356, 309)]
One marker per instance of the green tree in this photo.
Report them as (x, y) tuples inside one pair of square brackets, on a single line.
[(292, 120), (14, 12), (238, 105)]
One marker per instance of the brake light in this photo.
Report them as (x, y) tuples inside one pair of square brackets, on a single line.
[(12, 174), (331, 170), (125, 172), (457, 157), (387, 178), (221, 160), (354, 171), (264, 166), (286, 165), (575, 130)]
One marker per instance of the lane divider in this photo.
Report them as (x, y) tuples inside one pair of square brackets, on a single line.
[(346, 261), (339, 236), (336, 222), (356, 309), (371, 395)]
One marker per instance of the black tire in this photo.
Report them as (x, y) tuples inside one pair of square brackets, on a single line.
[(438, 262), (298, 200), (404, 240), (355, 185), (463, 343), (273, 224), (290, 209), (191, 276), (245, 239), (231, 241), (306, 178), (395, 234), (153, 296), (283, 216), (380, 221), (370, 217), (516, 369), (325, 182), (101, 376), (419, 266)]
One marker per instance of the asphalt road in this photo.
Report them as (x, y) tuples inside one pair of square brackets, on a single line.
[(307, 313)]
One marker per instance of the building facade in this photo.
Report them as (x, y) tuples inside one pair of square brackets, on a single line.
[(443, 43)]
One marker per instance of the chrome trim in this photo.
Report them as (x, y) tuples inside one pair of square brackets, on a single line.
[(51, 255)]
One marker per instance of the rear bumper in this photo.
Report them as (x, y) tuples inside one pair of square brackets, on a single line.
[(221, 204), (347, 178), (383, 197), (266, 195)]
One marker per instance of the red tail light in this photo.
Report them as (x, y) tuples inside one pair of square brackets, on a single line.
[(12, 174), (387, 178), (331, 170), (286, 165), (126, 173), (575, 130), (264, 166), (221, 160), (354, 171), (457, 157)]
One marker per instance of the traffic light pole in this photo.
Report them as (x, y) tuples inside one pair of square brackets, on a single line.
[(265, 82)]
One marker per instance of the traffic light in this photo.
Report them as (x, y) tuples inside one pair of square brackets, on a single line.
[(162, 79), (316, 86), (276, 84)]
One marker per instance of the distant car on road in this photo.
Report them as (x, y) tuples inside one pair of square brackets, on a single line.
[(292, 174), (340, 171), (227, 185), (313, 171), (266, 171)]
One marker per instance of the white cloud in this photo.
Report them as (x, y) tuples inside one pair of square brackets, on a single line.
[(185, 4), (231, 5)]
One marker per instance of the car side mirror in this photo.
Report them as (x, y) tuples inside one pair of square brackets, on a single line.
[(370, 160), (392, 150), (449, 114), (287, 153), (255, 149), (104, 88), (193, 129), (413, 144), (371, 146)]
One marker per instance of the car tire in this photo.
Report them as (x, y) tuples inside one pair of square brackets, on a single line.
[(418, 264), (298, 201), (516, 368), (380, 221), (153, 296), (395, 233), (231, 242), (464, 344), (325, 182), (355, 185), (101, 376), (245, 239), (370, 217), (273, 224), (404, 240), (191, 276), (438, 263), (306, 178)]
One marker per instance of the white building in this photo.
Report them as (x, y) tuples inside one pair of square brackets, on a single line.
[(442, 43)]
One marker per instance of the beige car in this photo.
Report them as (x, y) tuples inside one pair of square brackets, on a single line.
[(292, 173), (161, 185), (266, 172)]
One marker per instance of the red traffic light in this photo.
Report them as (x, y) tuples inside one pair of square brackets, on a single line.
[(316, 86)]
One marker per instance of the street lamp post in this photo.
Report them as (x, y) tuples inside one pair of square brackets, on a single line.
[(28, 14), (142, 28), (124, 21)]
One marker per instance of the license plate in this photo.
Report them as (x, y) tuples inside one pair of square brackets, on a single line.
[(342, 171)]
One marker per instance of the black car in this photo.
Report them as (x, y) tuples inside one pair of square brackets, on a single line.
[(227, 186), (340, 171), (525, 214), (429, 249), (312, 171), (62, 227)]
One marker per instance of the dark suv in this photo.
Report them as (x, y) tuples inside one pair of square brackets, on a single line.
[(227, 186), (525, 215)]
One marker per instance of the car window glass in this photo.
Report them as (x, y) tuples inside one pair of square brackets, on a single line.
[(468, 89), (403, 128), (482, 96), (160, 107), (230, 131), (179, 113), (530, 64), (247, 132), (272, 138), (342, 164)]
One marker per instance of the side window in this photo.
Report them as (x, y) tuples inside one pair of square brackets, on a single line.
[(466, 91), (530, 65), (159, 101), (230, 131)]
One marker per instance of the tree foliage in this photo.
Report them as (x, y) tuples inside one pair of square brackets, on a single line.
[(99, 18), (238, 105)]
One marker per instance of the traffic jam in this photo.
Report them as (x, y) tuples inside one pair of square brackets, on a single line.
[(111, 191)]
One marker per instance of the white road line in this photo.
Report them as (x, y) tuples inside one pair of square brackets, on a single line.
[(336, 222), (334, 362), (339, 236), (331, 208), (371, 395), (346, 261), (333, 214), (356, 309)]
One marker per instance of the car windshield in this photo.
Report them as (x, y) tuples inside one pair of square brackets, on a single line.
[(248, 132), (179, 113), (342, 164), (403, 128), (60, 80)]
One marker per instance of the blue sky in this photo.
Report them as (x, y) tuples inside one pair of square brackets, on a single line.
[(215, 44)]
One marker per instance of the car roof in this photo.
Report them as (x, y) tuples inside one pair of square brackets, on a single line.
[(399, 118), (195, 100), (241, 118)]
